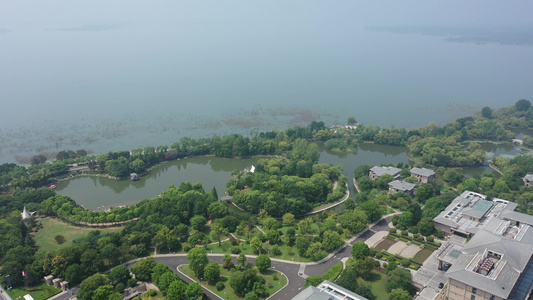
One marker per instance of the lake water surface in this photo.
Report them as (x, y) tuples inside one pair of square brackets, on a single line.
[(149, 76), (101, 192)]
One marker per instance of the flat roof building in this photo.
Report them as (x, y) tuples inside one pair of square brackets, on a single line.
[(497, 262), (327, 290)]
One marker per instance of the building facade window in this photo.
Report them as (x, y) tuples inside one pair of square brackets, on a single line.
[(472, 297), (474, 291)]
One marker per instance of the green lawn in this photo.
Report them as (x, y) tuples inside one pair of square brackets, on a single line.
[(272, 285), (44, 238), (378, 284), (39, 292)]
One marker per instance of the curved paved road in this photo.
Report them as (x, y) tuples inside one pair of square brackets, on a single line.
[(295, 271)]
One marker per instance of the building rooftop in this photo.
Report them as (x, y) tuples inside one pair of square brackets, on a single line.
[(327, 290), (380, 171), (529, 177), (401, 185), (470, 211), (491, 263), (422, 172)]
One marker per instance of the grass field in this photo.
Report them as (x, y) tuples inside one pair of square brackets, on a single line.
[(272, 285), (39, 292), (333, 272), (378, 284), (44, 238)]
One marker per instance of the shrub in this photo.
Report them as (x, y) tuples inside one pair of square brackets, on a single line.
[(220, 286), (439, 234), (392, 230), (430, 239), (59, 239), (405, 233), (152, 293), (235, 250), (405, 262), (132, 282), (414, 267), (413, 229), (187, 247), (379, 255), (416, 236)]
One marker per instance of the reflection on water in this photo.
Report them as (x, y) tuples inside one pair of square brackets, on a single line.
[(98, 192), (102, 192)]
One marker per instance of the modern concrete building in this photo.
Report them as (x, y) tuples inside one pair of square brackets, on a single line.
[(424, 175), (468, 211), (327, 290), (494, 265), (400, 186), (497, 262), (377, 172)]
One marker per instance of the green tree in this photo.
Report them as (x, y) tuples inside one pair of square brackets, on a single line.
[(119, 274), (399, 294), (372, 210), (256, 244), (406, 219), (143, 269), (106, 292), (400, 278), (360, 250), (166, 280), (426, 226), (522, 105), (90, 285), (197, 261), (351, 120), (251, 296), (212, 272), (74, 274), (331, 240), (302, 244), (158, 271), (486, 112), (424, 192), (218, 230), (273, 237), (314, 251), (288, 219), (194, 291), (198, 222), (137, 166), (453, 177), (176, 290), (262, 262), (241, 259), (353, 220), (365, 267), (217, 210)]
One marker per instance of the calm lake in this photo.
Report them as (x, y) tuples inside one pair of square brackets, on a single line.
[(100, 192), (149, 76)]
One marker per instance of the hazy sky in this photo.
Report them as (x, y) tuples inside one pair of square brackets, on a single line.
[(364, 13)]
